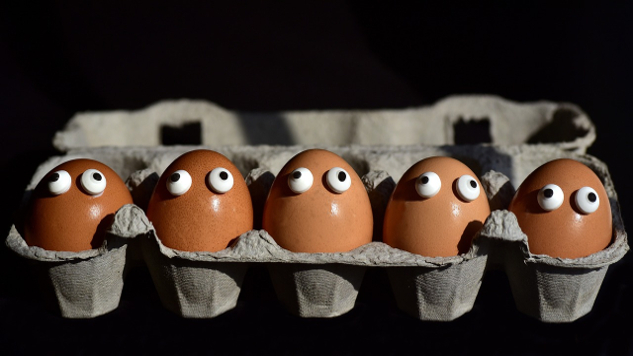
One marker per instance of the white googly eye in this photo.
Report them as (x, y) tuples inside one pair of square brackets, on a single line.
[(338, 180), (300, 180), (179, 182), (220, 180), (587, 200), (550, 197), (467, 188), (428, 184), (59, 182), (93, 182)]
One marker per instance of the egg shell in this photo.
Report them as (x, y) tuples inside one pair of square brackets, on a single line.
[(75, 220), (441, 226), (200, 219), (563, 232), (318, 220)]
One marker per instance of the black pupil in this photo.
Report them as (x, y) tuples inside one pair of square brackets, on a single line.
[(548, 193), (55, 177), (96, 177), (224, 175), (473, 184), (296, 175), (425, 180), (592, 197), (342, 176), (175, 177)]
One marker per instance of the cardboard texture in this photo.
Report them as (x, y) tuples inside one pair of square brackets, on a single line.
[(78, 284), (204, 284), (199, 122)]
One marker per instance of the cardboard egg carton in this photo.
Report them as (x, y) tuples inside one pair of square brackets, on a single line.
[(82, 284), (203, 284)]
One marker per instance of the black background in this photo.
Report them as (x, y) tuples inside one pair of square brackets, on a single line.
[(60, 58)]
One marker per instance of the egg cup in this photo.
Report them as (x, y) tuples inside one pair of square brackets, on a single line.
[(196, 284), (441, 292), (89, 283), (193, 284), (316, 291), (553, 289)]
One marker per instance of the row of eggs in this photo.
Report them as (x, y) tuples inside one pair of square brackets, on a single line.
[(318, 203)]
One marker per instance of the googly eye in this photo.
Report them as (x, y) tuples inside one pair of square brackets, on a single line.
[(300, 180), (428, 184), (179, 182), (468, 188), (587, 200), (338, 180), (220, 180), (93, 182), (59, 182), (550, 197)]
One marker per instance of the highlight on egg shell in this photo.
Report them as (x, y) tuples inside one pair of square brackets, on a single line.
[(200, 203), (564, 210), (436, 209), (73, 205), (318, 203)]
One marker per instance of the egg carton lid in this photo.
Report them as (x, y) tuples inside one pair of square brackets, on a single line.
[(465, 119)]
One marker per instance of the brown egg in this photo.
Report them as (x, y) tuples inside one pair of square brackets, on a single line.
[(200, 203), (564, 210), (73, 205), (436, 209), (318, 204)]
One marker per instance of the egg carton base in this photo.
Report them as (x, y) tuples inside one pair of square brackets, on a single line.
[(564, 295), (549, 289), (506, 241), (438, 294), (317, 285), (194, 289), (80, 287), (322, 291)]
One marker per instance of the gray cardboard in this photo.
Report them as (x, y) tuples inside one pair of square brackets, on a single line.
[(444, 291), (438, 294), (317, 291), (88, 283), (200, 122), (82, 284), (309, 284), (203, 285), (193, 288), (461, 275), (498, 188), (550, 289)]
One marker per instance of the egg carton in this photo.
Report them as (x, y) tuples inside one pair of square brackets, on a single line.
[(82, 284), (204, 284), (452, 121)]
